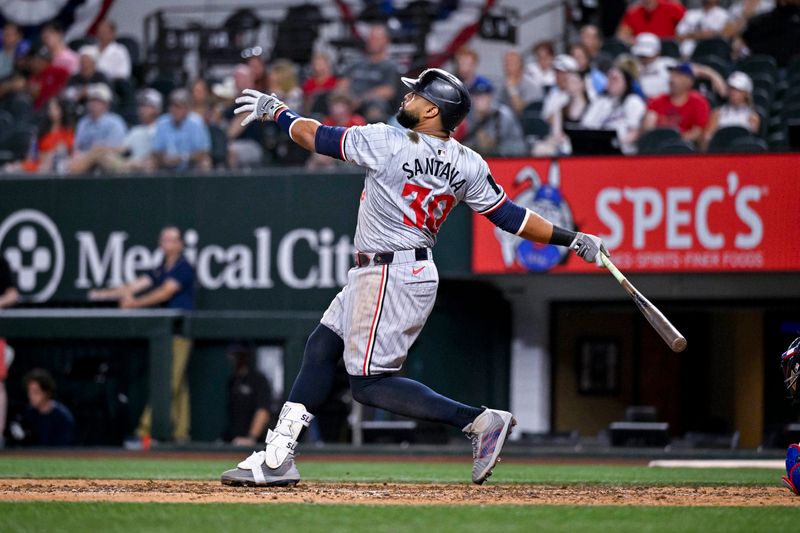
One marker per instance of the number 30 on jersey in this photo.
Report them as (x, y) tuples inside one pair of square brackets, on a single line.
[(424, 205)]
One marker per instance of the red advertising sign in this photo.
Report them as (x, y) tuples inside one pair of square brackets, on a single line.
[(655, 214)]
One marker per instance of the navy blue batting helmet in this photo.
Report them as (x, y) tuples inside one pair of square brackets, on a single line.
[(444, 90)]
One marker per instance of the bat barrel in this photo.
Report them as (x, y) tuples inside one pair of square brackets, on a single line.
[(679, 344)]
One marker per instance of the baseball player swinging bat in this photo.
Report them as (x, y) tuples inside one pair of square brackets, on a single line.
[(663, 327)]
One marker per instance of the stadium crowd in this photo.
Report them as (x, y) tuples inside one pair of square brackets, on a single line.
[(671, 80)]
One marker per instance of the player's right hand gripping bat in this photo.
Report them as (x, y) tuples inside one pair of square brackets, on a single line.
[(663, 327)]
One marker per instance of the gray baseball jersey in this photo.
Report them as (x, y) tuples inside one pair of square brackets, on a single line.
[(413, 182)]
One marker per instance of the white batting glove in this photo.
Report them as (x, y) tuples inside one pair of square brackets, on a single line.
[(259, 106), (589, 247)]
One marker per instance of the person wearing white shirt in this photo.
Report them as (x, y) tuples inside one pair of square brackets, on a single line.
[(703, 23), (738, 110), (540, 70), (563, 106), (618, 108), (653, 69), (114, 60)]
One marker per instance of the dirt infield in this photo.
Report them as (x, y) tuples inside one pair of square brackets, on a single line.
[(75, 490)]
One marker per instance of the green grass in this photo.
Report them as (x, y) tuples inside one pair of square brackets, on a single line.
[(198, 518), (113, 468)]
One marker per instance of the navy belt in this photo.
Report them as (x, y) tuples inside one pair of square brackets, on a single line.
[(386, 258)]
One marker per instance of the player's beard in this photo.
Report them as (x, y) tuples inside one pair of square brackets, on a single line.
[(406, 119)]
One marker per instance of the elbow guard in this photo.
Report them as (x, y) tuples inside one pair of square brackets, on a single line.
[(509, 217), (329, 140)]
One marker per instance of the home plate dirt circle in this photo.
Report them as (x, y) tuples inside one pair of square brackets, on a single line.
[(177, 491)]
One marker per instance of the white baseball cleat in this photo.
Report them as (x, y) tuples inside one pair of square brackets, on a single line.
[(254, 472), (488, 433), (273, 467)]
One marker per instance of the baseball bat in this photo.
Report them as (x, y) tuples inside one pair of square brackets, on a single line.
[(663, 327)]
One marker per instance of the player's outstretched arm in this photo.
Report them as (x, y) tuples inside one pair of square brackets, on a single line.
[(263, 107), (533, 227)]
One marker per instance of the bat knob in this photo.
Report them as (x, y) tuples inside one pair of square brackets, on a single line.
[(679, 344)]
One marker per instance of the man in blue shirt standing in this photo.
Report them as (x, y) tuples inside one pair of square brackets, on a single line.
[(169, 285), (181, 141)]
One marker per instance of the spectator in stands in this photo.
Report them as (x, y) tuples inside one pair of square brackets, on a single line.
[(114, 60), (593, 79), (491, 127), (137, 151), (9, 295), (57, 137), (541, 70), (519, 90), (170, 285), (284, 83), (245, 144), (618, 108), (738, 110), (592, 41), (321, 81), (743, 10), (660, 17), (46, 79), (48, 422), (56, 134), (249, 399), (203, 101), (341, 112), (372, 82), (254, 58), (87, 75), (62, 55), (702, 23), (467, 61), (563, 106), (776, 33), (653, 68), (682, 108), (98, 131), (15, 48), (181, 139), (740, 13)]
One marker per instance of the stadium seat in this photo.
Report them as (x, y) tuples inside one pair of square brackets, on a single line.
[(535, 127), (6, 125), (132, 45), (219, 146), (651, 140), (724, 136), (75, 44), (675, 147), (670, 48), (749, 144), (712, 47), (720, 64), (17, 144), (614, 47), (758, 64)]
